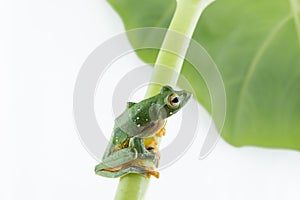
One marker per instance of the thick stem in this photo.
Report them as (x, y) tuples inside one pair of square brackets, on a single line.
[(186, 16), (168, 65)]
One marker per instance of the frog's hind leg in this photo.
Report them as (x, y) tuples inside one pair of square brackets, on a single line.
[(143, 170), (113, 164), (132, 169), (111, 174)]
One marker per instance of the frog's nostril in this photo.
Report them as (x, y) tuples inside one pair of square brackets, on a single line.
[(188, 95)]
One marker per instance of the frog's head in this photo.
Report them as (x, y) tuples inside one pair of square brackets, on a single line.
[(173, 100)]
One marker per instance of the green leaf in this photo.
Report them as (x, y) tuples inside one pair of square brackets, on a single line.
[(256, 45)]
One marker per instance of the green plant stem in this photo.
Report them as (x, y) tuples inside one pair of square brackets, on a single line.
[(168, 65), (186, 16)]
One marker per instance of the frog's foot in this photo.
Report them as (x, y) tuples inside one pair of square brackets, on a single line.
[(151, 158), (161, 133), (153, 173), (138, 144)]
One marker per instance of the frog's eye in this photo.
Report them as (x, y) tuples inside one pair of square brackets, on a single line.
[(173, 100)]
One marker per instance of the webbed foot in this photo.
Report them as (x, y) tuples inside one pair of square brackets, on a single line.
[(161, 133)]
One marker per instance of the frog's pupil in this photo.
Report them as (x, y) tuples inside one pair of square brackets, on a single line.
[(175, 100)]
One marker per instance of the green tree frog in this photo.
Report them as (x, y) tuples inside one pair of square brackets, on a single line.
[(131, 148)]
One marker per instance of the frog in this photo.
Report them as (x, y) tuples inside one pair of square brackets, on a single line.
[(132, 147)]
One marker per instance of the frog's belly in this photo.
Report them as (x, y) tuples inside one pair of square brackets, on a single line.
[(151, 129)]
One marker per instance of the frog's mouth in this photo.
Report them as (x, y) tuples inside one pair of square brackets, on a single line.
[(184, 97)]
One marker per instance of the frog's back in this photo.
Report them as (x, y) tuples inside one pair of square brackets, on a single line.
[(134, 121)]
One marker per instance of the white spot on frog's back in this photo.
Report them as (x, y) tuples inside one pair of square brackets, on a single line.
[(138, 118), (138, 125)]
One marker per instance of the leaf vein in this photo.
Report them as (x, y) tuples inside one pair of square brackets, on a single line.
[(253, 64), (295, 7)]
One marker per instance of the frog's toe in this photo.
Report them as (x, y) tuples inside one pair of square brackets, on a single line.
[(153, 173), (161, 133)]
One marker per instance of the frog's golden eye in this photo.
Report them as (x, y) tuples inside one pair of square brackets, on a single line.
[(173, 100)]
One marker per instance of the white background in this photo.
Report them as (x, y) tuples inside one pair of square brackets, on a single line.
[(43, 44)]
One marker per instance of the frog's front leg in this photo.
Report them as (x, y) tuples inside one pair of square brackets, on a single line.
[(143, 154), (146, 161)]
